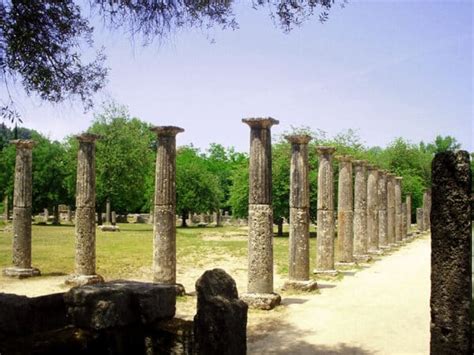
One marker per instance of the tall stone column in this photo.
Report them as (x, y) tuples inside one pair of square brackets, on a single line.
[(398, 209), (298, 272), (372, 210), (45, 215), (391, 209), (382, 197), (22, 196), (325, 214), (360, 211), (426, 209), (404, 221), (260, 221), (107, 212), (85, 261), (419, 220), (451, 254), (6, 211), (409, 208), (164, 211), (345, 212)]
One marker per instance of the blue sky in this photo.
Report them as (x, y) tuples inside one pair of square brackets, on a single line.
[(385, 68)]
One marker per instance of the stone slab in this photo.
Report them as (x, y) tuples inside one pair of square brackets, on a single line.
[(297, 285), (264, 301), (21, 273)]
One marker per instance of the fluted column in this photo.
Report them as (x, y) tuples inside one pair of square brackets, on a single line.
[(382, 210), (360, 211), (85, 259), (391, 209), (398, 209), (408, 202), (22, 197), (372, 209), (164, 211), (260, 243), (298, 272), (326, 230), (419, 220), (345, 211), (426, 209)]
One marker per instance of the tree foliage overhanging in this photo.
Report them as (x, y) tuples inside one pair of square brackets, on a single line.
[(206, 181), (43, 44)]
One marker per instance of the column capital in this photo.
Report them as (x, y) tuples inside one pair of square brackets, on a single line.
[(325, 150), (359, 162), (88, 137), (23, 143), (344, 158), (260, 122), (298, 138), (372, 167), (166, 131)]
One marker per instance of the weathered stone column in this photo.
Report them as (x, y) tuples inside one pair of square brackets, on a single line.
[(85, 261), (345, 212), (260, 243), (298, 272), (426, 209), (372, 210), (391, 209), (451, 254), (6, 211), (45, 215), (404, 221), (164, 211), (419, 220), (360, 211), (409, 208), (113, 218), (325, 228), (398, 209), (22, 212), (69, 214), (382, 210), (107, 211)]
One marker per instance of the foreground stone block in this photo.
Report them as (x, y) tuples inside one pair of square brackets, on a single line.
[(119, 303), (296, 285), (451, 283), (221, 320)]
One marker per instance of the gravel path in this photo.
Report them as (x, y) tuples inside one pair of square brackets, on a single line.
[(383, 309)]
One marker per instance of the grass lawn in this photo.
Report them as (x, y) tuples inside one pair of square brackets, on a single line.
[(128, 253)]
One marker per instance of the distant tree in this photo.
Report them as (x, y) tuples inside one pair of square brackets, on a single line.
[(124, 159), (197, 188)]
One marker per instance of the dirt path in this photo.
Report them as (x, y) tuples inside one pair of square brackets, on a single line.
[(383, 309)]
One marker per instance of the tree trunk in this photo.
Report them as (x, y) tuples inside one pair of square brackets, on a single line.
[(184, 215), (56, 215), (280, 227)]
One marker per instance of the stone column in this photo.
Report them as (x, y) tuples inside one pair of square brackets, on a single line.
[(164, 228), (398, 209), (419, 220), (408, 202), (298, 273), (391, 209), (382, 210), (404, 221), (69, 214), (113, 218), (345, 212), (85, 268), (107, 211), (22, 212), (372, 210), (451, 254), (325, 228), (360, 211), (45, 215), (260, 241), (427, 209), (6, 214), (219, 218)]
